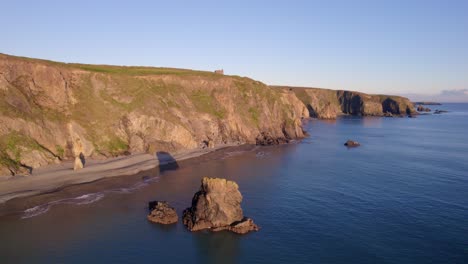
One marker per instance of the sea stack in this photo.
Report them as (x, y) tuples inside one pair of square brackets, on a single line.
[(217, 206), (78, 164)]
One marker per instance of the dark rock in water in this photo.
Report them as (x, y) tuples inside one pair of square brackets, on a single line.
[(437, 111), (217, 207), (352, 143), (162, 213)]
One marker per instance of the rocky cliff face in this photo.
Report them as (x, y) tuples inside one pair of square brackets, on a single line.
[(53, 111), (328, 104)]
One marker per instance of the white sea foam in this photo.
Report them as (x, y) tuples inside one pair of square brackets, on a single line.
[(262, 154), (85, 198)]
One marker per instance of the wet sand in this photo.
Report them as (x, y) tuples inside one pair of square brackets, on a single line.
[(113, 175), (56, 177)]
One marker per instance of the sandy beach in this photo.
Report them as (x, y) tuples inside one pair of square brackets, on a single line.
[(56, 177)]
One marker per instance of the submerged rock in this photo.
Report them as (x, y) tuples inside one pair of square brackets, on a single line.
[(217, 207), (162, 213), (352, 143)]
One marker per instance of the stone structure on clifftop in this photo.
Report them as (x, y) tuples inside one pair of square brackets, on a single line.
[(217, 206)]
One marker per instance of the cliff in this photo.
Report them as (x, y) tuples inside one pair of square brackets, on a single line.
[(328, 104), (52, 111)]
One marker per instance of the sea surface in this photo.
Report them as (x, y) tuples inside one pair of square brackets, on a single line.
[(402, 197)]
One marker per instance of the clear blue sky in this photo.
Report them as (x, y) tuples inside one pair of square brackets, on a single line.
[(396, 47)]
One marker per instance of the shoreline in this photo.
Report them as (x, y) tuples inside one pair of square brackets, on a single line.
[(53, 178)]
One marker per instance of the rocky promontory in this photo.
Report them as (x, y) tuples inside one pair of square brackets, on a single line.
[(217, 206), (328, 104)]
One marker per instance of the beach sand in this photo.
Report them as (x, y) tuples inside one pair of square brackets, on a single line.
[(55, 177)]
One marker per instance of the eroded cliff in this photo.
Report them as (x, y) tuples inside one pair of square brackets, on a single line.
[(328, 104), (52, 111)]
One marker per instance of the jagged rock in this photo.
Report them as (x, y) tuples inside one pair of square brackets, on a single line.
[(207, 144), (217, 207), (265, 139), (421, 108), (352, 143), (162, 213), (244, 226)]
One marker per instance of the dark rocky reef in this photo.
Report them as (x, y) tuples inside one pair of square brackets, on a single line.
[(217, 206), (266, 139), (437, 111), (162, 213)]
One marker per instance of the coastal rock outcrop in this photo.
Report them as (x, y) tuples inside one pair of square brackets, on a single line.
[(217, 206), (51, 111), (352, 143), (328, 104), (421, 108), (162, 213), (78, 164)]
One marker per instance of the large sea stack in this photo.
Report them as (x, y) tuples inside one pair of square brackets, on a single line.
[(217, 206)]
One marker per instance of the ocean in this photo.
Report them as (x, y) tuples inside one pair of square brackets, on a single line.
[(401, 197)]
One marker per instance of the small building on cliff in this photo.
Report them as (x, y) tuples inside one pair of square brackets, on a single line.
[(219, 72)]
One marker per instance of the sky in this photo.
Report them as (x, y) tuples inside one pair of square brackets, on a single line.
[(412, 47)]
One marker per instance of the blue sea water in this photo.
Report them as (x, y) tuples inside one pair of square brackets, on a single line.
[(402, 197)]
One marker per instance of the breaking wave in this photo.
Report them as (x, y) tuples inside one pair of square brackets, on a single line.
[(85, 198)]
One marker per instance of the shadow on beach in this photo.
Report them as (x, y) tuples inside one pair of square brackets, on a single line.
[(166, 161)]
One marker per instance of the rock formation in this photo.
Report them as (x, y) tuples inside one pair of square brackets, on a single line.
[(328, 104), (51, 111), (78, 164), (352, 143), (421, 108), (217, 206), (162, 213)]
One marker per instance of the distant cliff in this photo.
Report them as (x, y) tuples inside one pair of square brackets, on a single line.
[(328, 104)]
